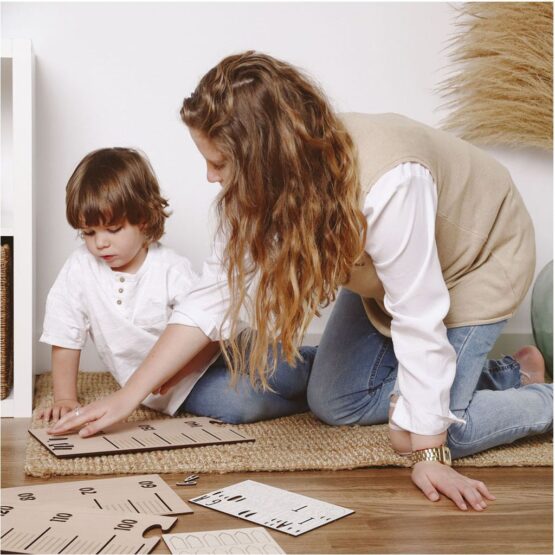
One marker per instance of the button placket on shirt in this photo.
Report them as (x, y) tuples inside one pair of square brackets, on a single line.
[(121, 281)]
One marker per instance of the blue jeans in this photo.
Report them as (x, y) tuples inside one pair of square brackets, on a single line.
[(351, 376), (213, 396), (355, 371)]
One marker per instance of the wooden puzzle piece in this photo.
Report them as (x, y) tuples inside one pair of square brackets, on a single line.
[(147, 435), (239, 540), (275, 508), (145, 494), (43, 530)]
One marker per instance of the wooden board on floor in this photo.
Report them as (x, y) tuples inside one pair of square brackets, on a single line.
[(44, 531), (391, 515), (148, 435), (147, 494)]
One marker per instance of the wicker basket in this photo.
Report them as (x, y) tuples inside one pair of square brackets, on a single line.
[(6, 325)]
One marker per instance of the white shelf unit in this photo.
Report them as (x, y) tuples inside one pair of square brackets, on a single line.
[(19, 221)]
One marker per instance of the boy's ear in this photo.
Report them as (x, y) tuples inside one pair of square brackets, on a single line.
[(142, 227)]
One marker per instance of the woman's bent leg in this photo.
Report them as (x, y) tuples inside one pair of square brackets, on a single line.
[(213, 396), (493, 417), (354, 370), (500, 374)]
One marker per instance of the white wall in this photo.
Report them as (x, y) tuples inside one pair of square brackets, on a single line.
[(116, 73)]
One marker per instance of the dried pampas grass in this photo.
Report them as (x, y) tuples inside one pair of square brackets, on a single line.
[(501, 91)]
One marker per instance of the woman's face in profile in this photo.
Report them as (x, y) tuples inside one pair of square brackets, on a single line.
[(217, 167)]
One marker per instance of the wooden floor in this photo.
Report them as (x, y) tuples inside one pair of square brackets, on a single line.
[(391, 516)]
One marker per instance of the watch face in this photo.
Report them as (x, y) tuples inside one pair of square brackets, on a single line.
[(446, 454)]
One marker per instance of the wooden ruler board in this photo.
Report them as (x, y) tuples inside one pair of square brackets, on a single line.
[(147, 435), (238, 540), (274, 508), (146, 494), (44, 530)]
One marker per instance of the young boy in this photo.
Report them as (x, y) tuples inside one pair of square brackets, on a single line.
[(121, 286)]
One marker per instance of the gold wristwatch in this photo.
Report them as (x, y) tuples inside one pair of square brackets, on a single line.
[(440, 454)]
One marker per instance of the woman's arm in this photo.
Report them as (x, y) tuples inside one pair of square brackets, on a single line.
[(198, 363), (175, 348), (401, 212)]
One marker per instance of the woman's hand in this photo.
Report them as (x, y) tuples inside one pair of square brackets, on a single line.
[(96, 416), (433, 477), (58, 409)]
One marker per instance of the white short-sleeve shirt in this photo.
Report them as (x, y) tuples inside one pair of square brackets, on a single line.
[(124, 314)]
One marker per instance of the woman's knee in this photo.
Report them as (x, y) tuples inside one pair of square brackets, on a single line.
[(245, 413), (329, 409), (321, 411)]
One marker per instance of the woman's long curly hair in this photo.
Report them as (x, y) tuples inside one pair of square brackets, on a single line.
[(290, 207)]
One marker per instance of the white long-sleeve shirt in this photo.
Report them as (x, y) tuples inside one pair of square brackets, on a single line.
[(400, 210)]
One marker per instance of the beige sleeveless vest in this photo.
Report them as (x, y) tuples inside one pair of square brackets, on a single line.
[(484, 235)]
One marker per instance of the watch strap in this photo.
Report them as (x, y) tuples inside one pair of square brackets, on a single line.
[(440, 454)]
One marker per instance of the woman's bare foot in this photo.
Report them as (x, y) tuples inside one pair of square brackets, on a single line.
[(532, 365)]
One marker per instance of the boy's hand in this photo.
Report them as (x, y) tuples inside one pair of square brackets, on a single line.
[(433, 477), (58, 409), (96, 416)]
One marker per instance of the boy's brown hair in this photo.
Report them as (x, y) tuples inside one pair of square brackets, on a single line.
[(114, 184)]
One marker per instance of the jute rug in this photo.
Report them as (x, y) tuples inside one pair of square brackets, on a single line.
[(299, 442)]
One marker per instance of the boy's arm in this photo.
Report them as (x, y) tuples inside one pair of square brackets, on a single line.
[(175, 348), (65, 367)]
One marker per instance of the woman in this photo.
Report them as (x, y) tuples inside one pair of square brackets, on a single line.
[(426, 234)]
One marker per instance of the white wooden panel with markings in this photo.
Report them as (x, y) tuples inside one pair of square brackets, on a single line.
[(142, 494), (222, 542), (275, 508), (147, 435)]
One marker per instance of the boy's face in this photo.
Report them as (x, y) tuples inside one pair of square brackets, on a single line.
[(121, 246)]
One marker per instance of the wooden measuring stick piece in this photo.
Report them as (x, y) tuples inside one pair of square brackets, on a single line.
[(43, 530), (148, 435), (146, 494)]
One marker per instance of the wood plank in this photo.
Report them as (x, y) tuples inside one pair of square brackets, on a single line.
[(391, 516)]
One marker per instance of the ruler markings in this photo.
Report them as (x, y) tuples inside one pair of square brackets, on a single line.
[(139, 550), (48, 540), (36, 539), (6, 533), (168, 507), (105, 545), (67, 544), (162, 438), (111, 442), (211, 434), (236, 433), (21, 538), (151, 507), (189, 438), (89, 546)]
